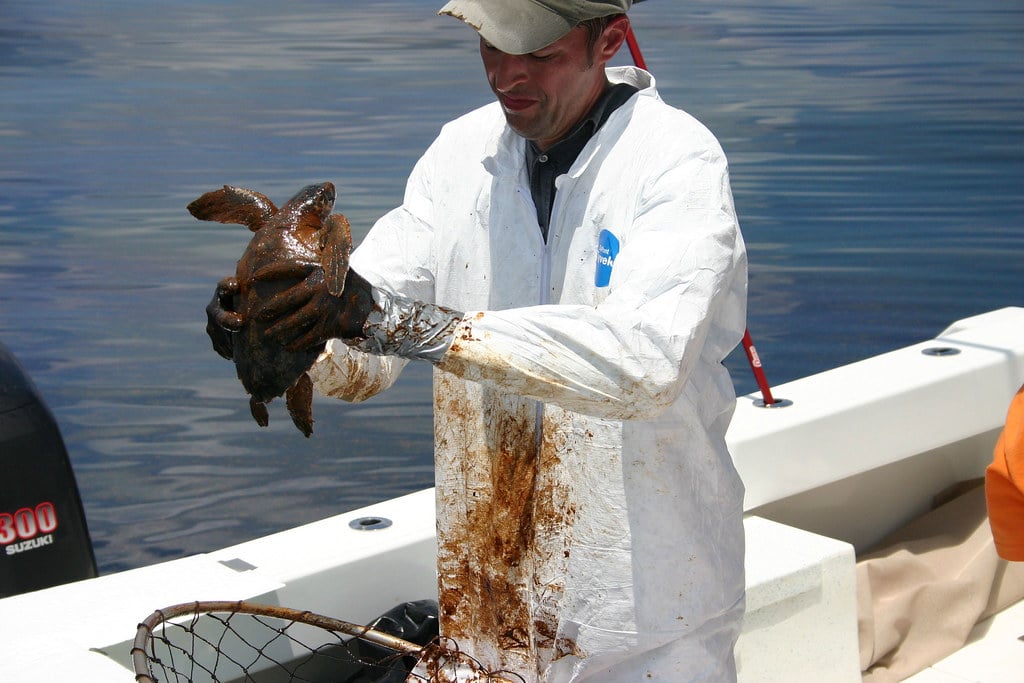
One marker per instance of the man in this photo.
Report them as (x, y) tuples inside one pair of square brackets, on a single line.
[(569, 259)]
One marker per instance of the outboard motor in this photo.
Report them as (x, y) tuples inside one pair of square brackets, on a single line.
[(44, 540)]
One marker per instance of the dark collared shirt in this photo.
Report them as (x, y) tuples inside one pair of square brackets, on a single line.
[(544, 167)]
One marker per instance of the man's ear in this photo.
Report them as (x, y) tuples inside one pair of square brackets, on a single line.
[(611, 40)]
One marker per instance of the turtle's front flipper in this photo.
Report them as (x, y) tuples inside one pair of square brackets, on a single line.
[(259, 412), (233, 205), (335, 247), (299, 398)]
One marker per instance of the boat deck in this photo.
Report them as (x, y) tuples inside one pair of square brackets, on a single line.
[(993, 654)]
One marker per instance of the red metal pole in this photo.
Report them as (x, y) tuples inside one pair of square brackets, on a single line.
[(634, 49), (748, 342), (755, 365)]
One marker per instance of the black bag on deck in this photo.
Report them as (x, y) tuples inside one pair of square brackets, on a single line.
[(415, 622)]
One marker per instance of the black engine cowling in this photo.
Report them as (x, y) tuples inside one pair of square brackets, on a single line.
[(44, 540)]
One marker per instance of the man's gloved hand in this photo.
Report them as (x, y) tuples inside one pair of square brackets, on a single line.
[(221, 319), (307, 315), (303, 316)]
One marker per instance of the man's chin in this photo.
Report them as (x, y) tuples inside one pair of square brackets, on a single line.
[(521, 126)]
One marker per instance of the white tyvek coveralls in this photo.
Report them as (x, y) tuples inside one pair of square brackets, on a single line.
[(607, 544)]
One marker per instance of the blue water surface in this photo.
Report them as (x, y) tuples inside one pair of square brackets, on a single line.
[(877, 160)]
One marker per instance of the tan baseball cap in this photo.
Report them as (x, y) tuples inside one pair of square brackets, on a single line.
[(518, 27)]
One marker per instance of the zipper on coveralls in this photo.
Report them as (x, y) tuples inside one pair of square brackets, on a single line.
[(544, 296)]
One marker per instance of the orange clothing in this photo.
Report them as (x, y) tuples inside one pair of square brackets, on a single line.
[(1004, 485)]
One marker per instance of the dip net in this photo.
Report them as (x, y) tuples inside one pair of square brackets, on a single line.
[(229, 642)]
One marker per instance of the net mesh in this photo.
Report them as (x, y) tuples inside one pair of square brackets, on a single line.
[(229, 642)]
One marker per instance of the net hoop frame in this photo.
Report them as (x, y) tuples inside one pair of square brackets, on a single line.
[(436, 659), (144, 634)]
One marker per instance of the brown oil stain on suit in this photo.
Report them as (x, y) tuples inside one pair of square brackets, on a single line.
[(502, 543)]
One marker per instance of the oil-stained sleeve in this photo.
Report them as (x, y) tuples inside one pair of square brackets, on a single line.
[(342, 372), (676, 305)]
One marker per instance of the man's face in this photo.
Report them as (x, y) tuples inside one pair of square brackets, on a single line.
[(544, 94)]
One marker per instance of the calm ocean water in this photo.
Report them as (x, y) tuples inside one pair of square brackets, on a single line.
[(877, 154)]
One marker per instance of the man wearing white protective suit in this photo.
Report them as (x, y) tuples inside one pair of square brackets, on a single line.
[(569, 259)]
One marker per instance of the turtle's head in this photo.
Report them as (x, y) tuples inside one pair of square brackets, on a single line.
[(313, 202)]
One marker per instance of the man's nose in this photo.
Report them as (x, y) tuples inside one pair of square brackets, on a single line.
[(509, 71)]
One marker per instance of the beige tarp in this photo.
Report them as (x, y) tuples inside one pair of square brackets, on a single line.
[(924, 588)]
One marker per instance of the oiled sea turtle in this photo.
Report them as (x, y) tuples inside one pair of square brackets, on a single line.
[(305, 230)]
